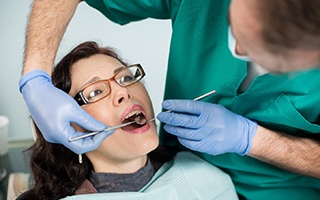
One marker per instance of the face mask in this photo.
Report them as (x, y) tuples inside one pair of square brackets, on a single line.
[(232, 47)]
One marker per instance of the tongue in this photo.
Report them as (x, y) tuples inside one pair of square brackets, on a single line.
[(131, 127)]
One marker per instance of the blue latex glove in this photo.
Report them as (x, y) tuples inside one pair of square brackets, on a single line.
[(53, 110), (208, 128)]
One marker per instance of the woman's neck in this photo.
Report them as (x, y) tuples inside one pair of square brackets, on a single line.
[(101, 164)]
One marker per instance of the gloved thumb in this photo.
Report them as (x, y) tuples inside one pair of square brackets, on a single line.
[(86, 121), (185, 106)]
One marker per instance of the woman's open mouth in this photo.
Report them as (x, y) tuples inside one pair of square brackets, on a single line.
[(138, 117)]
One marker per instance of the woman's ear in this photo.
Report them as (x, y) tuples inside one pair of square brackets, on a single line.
[(33, 129)]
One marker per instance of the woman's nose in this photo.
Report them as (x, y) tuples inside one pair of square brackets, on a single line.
[(119, 94)]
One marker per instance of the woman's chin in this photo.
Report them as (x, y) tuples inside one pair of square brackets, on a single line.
[(149, 146)]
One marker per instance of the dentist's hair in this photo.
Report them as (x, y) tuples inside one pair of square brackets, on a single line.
[(288, 24)]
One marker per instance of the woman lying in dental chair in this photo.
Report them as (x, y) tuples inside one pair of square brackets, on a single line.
[(128, 164)]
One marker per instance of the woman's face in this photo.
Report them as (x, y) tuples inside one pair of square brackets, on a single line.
[(126, 144)]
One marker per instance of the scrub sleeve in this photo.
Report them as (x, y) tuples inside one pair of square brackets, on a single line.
[(200, 61)]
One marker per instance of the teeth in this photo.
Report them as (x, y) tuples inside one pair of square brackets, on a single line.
[(136, 112), (140, 121)]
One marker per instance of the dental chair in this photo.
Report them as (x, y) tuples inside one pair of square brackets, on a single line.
[(19, 182)]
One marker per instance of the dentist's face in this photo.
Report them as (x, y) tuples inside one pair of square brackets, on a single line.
[(126, 144), (245, 26)]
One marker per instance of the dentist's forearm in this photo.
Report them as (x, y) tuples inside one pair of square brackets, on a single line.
[(47, 24), (299, 155)]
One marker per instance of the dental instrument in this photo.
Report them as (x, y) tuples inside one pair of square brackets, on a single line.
[(107, 129), (195, 99), (136, 120)]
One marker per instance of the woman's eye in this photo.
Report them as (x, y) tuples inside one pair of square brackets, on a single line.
[(94, 94), (127, 79)]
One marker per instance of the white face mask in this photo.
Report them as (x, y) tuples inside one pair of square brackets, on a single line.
[(232, 47)]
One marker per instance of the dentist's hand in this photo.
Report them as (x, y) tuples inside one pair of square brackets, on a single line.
[(208, 128), (53, 110)]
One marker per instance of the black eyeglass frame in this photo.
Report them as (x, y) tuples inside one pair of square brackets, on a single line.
[(80, 98)]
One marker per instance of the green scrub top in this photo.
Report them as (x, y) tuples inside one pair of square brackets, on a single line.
[(200, 61)]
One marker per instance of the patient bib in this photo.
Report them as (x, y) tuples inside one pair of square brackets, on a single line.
[(185, 177)]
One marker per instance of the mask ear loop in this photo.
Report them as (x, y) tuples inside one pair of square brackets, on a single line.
[(232, 47), (80, 158)]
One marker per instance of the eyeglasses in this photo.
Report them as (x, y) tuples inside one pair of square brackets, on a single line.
[(98, 90)]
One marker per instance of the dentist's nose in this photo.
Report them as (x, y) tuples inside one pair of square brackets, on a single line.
[(240, 51), (119, 94)]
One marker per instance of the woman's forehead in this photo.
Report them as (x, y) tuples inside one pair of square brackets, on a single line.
[(92, 69), (96, 65)]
